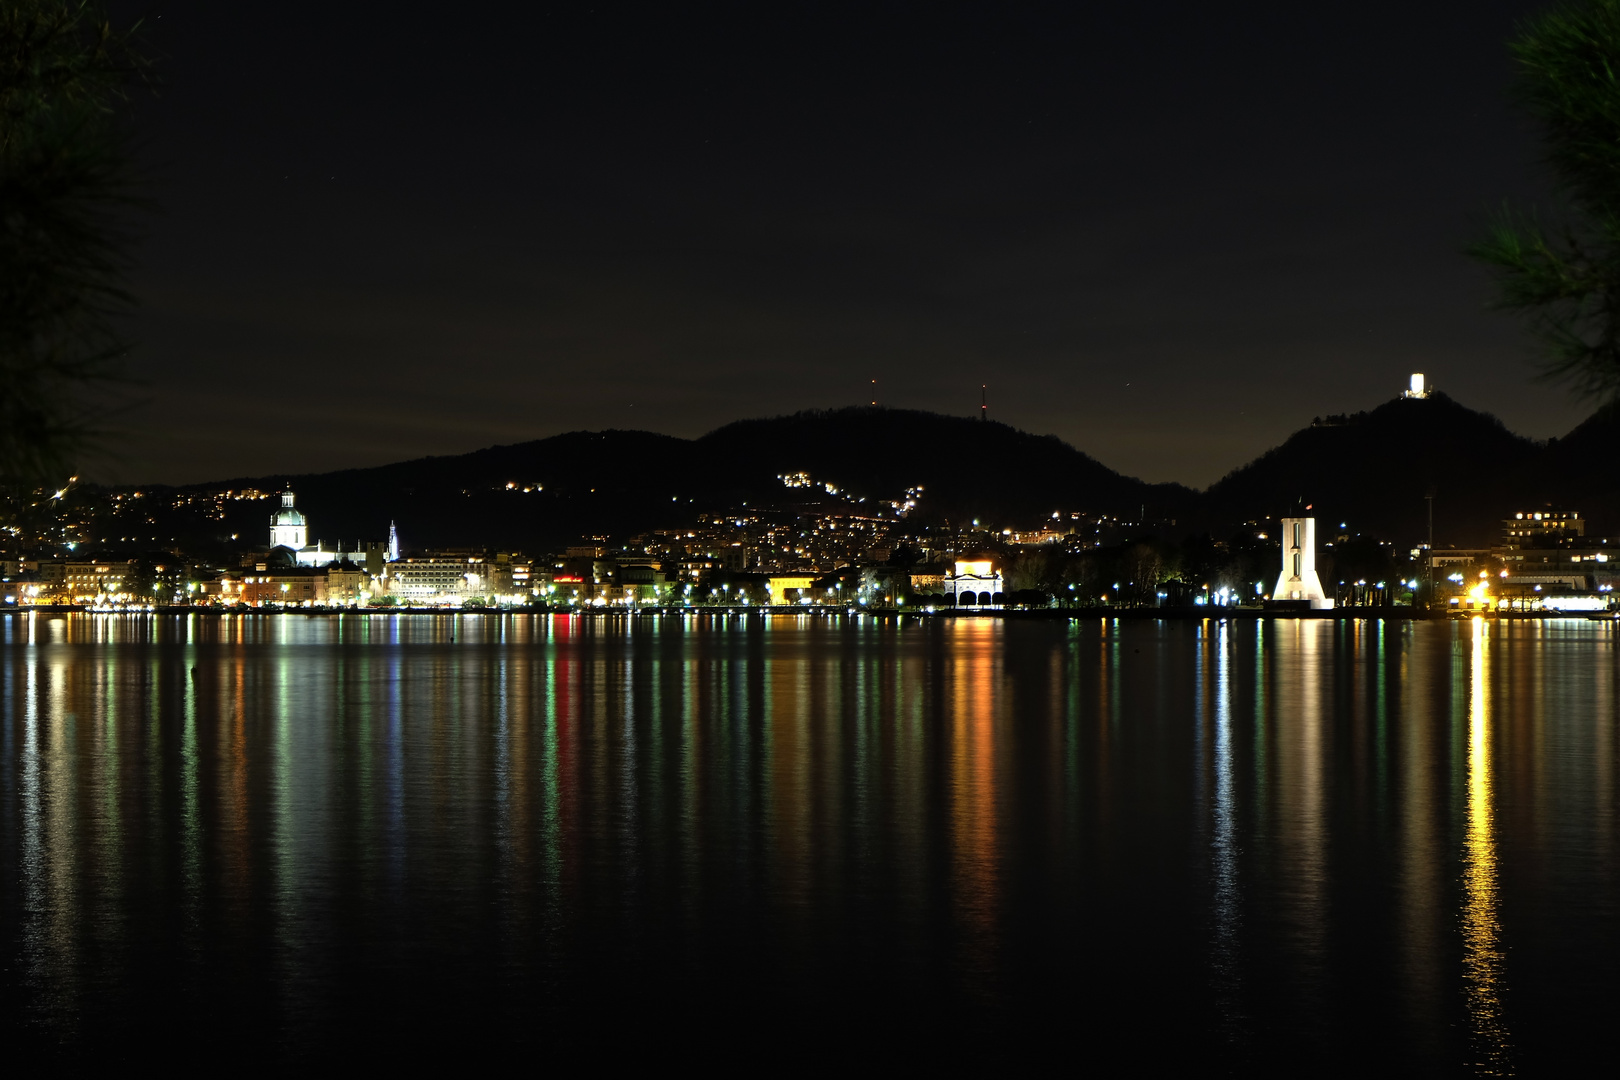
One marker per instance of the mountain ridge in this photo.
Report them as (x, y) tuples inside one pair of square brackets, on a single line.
[(1371, 470)]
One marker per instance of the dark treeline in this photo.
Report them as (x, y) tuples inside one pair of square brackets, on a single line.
[(1156, 572)]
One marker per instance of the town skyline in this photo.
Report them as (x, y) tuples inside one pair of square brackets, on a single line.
[(868, 508)]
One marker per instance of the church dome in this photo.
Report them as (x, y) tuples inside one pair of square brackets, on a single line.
[(288, 514)]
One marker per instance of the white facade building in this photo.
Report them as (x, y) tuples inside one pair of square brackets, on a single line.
[(973, 582), (1298, 580), (447, 578)]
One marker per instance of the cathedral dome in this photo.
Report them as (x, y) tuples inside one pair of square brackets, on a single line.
[(288, 528)]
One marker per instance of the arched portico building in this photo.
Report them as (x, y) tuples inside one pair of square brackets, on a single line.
[(973, 583)]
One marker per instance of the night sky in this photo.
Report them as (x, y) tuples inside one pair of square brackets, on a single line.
[(1168, 233)]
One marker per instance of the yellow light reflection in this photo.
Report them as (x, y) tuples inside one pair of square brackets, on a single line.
[(974, 826), (1482, 933)]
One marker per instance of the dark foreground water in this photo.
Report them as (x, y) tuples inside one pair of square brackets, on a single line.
[(1341, 846)]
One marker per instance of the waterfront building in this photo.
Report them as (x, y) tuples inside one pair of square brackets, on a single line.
[(97, 582), (568, 588), (524, 578), (790, 588), (449, 577), (347, 584), (637, 583), (20, 588), (220, 588), (928, 579), (278, 586), (52, 587), (973, 582)]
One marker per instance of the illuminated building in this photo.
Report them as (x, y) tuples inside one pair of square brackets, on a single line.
[(289, 529), (523, 576), (790, 588), (927, 579), (97, 582), (637, 582), (1549, 563), (1417, 388), (283, 585), (568, 588), (346, 584), (1298, 580), (1541, 529), (52, 582), (973, 582), (19, 581), (449, 577)]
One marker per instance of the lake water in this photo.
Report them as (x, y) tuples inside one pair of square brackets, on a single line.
[(1335, 845)]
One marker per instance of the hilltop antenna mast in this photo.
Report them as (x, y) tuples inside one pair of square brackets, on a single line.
[(874, 391), (984, 402)]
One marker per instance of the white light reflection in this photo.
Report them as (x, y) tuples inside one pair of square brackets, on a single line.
[(1225, 951), (1482, 932)]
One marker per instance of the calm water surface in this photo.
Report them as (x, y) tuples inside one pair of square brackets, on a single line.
[(1336, 845)]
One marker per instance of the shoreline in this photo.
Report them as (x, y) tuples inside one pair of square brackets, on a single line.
[(1180, 614)]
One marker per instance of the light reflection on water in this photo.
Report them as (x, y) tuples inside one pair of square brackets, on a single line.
[(1346, 843), (1482, 932)]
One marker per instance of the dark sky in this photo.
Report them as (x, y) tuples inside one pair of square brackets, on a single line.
[(1169, 233)]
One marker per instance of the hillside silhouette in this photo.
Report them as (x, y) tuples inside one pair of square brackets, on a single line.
[(1579, 472), (968, 468), (617, 483), (1370, 471)]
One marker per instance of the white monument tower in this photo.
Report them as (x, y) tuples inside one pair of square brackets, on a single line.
[(393, 543), (1298, 580)]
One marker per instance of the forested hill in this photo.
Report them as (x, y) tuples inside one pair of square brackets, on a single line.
[(967, 468), (1373, 470), (1369, 470), (553, 491), (1581, 471)]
